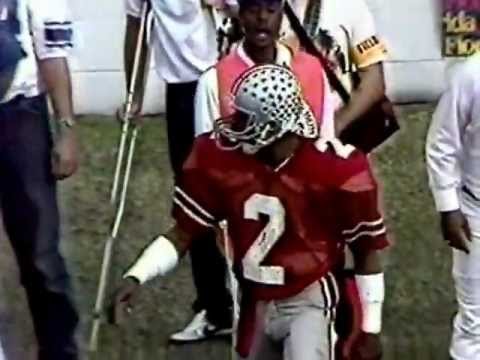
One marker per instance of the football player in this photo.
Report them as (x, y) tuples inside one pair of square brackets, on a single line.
[(292, 201)]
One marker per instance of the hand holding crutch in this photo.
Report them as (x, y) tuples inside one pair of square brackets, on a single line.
[(127, 128)]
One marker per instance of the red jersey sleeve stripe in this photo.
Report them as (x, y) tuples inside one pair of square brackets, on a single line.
[(180, 194), (363, 224), (370, 233), (190, 212)]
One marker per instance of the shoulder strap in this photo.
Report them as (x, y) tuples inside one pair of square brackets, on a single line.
[(309, 46)]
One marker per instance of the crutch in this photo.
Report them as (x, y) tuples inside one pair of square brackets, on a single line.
[(233, 286), (128, 106), (107, 255)]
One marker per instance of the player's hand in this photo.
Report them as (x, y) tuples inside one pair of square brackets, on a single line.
[(134, 116), (123, 299), (64, 156), (455, 230), (365, 347)]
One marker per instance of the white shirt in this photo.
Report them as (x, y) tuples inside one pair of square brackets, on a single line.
[(45, 32), (350, 26), (207, 102), (453, 141), (183, 39)]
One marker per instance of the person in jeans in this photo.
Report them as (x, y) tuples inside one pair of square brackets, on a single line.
[(31, 162)]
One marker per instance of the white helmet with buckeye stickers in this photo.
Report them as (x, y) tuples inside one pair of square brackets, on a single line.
[(269, 103)]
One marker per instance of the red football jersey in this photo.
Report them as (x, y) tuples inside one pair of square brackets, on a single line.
[(287, 226), (296, 218)]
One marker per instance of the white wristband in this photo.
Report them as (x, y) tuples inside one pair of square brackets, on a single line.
[(371, 290), (159, 258)]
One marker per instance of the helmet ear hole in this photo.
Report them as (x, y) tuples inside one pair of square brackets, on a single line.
[(239, 120)]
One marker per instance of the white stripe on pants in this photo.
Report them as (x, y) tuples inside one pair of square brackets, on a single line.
[(465, 343), (298, 328)]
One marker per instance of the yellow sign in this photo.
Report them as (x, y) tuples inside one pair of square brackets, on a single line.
[(461, 27)]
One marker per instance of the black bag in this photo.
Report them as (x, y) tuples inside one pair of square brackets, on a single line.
[(376, 125)]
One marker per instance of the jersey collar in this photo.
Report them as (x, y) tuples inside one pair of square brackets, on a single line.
[(284, 55)]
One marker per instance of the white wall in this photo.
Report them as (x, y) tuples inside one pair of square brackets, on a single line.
[(97, 63), (411, 28)]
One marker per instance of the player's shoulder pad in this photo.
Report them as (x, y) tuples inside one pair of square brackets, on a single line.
[(336, 163)]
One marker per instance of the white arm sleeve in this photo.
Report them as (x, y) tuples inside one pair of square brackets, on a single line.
[(371, 291), (52, 28), (445, 138), (158, 259), (207, 105)]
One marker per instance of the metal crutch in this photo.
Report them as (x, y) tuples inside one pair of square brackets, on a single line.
[(107, 256), (128, 106), (234, 290)]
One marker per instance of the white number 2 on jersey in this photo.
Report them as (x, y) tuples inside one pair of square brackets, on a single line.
[(272, 207)]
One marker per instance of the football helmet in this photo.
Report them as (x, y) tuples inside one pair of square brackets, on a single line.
[(269, 103)]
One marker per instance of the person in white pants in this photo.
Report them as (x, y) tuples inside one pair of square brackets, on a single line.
[(453, 161)]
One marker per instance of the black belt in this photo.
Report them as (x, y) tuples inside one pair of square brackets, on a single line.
[(20, 101)]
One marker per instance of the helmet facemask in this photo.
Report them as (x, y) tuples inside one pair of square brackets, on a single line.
[(268, 103)]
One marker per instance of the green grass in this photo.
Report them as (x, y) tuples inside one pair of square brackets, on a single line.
[(420, 299)]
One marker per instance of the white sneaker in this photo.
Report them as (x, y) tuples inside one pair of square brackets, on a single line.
[(199, 329)]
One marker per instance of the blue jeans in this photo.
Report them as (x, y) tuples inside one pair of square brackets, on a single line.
[(29, 206)]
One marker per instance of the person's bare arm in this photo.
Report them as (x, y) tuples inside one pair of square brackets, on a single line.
[(366, 262), (370, 91), (158, 259), (366, 234), (370, 284), (130, 47), (56, 76)]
